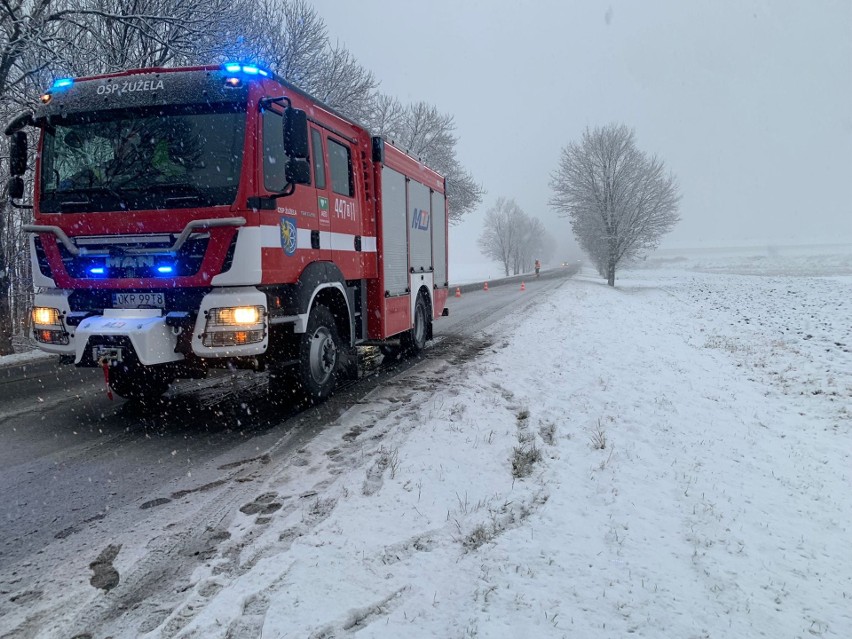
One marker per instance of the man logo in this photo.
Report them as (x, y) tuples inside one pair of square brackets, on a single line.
[(127, 261), (288, 236), (420, 220)]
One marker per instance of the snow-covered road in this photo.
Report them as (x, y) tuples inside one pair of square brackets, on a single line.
[(667, 459)]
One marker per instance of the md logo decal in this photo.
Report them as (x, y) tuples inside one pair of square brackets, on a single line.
[(420, 220), (288, 235)]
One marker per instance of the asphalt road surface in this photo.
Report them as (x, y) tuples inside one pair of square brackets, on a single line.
[(69, 455)]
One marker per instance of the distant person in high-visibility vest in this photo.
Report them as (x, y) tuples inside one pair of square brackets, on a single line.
[(537, 267)]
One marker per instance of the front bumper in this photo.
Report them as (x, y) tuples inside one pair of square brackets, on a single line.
[(150, 334)]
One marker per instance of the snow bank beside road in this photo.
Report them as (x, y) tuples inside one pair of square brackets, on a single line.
[(692, 482), (28, 357)]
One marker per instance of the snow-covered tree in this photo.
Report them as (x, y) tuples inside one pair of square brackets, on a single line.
[(423, 131), (513, 238), (533, 243), (620, 200)]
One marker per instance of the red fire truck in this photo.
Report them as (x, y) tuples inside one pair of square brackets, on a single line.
[(218, 216)]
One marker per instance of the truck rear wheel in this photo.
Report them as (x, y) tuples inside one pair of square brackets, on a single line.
[(414, 340), (137, 382), (319, 354)]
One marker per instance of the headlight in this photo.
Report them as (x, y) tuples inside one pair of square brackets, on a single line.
[(48, 327), (45, 316), (236, 316), (235, 326)]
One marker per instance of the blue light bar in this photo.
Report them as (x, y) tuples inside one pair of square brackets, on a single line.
[(97, 270), (165, 269), (248, 69), (62, 83)]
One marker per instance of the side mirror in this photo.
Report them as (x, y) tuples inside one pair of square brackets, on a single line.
[(296, 134), (16, 188), (298, 171), (17, 153)]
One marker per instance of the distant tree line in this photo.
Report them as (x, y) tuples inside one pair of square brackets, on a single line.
[(44, 39), (514, 239)]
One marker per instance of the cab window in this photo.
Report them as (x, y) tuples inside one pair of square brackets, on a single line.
[(274, 159), (340, 164), (319, 159)]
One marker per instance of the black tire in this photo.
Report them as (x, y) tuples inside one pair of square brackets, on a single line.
[(319, 354), (391, 352), (414, 341), (137, 382)]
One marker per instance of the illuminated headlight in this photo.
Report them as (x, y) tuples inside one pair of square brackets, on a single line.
[(235, 326), (48, 327), (236, 316), (44, 316)]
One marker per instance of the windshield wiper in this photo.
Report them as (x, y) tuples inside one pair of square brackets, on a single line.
[(185, 198), (179, 193), (88, 193)]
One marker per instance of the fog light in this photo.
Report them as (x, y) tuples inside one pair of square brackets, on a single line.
[(232, 338), (51, 337)]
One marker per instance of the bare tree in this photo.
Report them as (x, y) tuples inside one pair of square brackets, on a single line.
[(288, 36), (620, 200), (513, 238), (426, 133), (387, 116), (533, 242), (291, 38), (499, 235), (112, 36)]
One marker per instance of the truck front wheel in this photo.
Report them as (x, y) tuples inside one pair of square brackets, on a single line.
[(319, 354)]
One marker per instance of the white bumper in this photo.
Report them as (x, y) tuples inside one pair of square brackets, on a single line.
[(153, 341)]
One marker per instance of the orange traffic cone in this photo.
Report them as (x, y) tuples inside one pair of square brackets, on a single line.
[(458, 292), (523, 286), (486, 286)]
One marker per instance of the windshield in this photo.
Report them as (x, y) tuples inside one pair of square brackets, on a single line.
[(182, 157)]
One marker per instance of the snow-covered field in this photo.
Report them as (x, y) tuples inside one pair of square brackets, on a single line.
[(670, 458), (477, 271)]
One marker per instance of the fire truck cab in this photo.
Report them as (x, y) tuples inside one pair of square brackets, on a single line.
[(218, 216)]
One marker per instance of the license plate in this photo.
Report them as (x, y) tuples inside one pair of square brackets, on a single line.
[(108, 353), (138, 300)]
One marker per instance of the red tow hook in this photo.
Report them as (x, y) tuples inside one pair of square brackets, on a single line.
[(105, 366)]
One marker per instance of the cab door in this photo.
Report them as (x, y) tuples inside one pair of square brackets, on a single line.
[(344, 207), (321, 207), (289, 227)]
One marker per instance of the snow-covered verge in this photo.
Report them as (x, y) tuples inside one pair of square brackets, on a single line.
[(27, 357), (670, 458)]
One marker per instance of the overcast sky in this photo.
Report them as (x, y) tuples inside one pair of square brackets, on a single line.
[(748, 101)]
